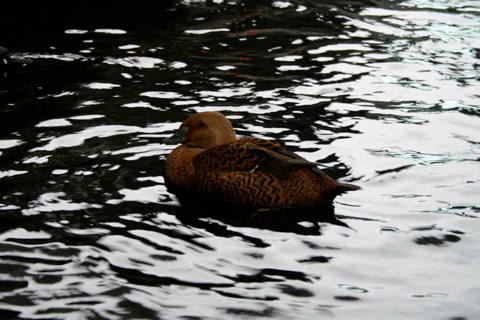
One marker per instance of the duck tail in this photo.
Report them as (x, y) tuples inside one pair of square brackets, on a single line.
[(340, 189), (345, 187)]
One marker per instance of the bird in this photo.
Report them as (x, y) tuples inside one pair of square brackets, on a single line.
[(212, 162)]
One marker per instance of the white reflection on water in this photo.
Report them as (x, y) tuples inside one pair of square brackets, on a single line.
[(54, 123), (141, 104), (225, 92), (110, 31), (103, 131), (147, 150), (11, 173), (129, 47), (339, 47), (204, 31), (136, 62), (66, 57), (55, 201), (387, 145), (101, 86), (10, 143), (255, 109), (161, 94), (76, 139), (289, 58)]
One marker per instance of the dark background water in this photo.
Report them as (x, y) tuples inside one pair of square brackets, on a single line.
[(384, 93)]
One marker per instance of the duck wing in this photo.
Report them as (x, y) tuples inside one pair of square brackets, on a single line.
[(279, 156), (252, 154), (280, 162), (277, 163)]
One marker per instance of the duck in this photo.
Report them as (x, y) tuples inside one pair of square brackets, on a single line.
[(212, 162)]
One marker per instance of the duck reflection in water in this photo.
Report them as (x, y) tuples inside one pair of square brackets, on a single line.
[(214, 171)]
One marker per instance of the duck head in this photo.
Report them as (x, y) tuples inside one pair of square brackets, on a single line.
[(205, 130)]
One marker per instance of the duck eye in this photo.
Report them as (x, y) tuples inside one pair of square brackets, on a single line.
[(202, 124)]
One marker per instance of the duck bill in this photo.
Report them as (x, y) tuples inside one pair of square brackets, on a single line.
[(177, 137)]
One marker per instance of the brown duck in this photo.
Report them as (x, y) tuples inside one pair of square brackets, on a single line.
[(247, 171)]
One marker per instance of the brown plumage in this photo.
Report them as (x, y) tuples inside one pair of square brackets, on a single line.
[(247, 171)]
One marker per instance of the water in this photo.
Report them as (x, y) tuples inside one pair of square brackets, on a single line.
[(384, 93)]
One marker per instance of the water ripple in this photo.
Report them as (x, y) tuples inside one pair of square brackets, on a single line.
[(383, 94)]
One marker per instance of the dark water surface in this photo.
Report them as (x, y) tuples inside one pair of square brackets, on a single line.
[(386, 94)]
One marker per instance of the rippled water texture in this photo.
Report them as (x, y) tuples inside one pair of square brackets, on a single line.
[(385, 94)]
